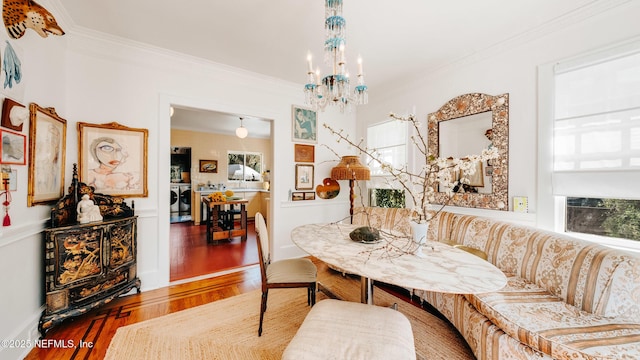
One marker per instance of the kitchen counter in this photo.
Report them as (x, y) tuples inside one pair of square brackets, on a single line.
[(253, 195), (235, 190)]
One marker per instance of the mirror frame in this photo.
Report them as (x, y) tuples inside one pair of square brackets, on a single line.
[(470, 104)]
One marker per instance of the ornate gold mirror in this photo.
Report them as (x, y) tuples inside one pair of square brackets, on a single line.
[(467, 124)]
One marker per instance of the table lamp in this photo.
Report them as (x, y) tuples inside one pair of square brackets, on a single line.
[(350, 169)]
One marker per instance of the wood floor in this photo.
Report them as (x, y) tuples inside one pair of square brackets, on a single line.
[(90, 334), (191, 256), (97, 327)]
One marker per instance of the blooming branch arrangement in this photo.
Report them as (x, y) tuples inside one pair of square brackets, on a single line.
[(451, 175)]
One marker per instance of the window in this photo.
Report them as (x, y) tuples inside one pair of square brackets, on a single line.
[(616, 218), (387, 198), (596, 142), (389, 139), (244, 166)]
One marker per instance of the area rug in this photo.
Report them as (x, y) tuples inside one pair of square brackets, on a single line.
[(228, 328)]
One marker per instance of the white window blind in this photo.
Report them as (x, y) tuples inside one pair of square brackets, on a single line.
[(389, 139), (597, 125)]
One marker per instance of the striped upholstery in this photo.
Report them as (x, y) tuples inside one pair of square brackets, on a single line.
[(383, 218), (565, 298)]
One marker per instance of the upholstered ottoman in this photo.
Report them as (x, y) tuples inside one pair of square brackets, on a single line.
[(336, 329)]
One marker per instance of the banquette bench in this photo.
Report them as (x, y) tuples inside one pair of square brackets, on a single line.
[(565, 298)]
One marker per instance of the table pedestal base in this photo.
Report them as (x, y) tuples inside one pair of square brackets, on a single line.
[(366, 290)]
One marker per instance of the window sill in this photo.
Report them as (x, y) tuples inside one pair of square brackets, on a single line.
[(622, 244)]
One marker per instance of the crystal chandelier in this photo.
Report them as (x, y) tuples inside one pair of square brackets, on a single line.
[(334, 88)]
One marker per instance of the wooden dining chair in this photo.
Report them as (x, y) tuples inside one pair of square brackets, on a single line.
[(287, 273)]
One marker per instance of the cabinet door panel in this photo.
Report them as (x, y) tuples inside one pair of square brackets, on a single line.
[(79, 256), (122, 244)]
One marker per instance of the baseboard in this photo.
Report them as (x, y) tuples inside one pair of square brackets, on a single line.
[(20, 342)]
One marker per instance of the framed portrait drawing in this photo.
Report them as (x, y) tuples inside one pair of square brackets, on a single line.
[(113, 159), (208, 166), (304, 153), (304, 177), (13, 148), (47, 139), (304, 125)]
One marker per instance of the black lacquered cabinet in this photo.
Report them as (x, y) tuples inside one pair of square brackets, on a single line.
[(87, 265)]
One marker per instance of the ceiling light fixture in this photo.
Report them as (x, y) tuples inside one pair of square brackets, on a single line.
[(334, 88), (242, 131)]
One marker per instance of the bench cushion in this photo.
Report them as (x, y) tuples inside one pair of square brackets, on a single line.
[(545, 322), (336, 329)]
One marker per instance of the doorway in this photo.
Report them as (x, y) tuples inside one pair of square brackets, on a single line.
[(190, 256)]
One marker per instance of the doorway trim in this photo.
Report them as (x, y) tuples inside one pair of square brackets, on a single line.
[(164, 160)]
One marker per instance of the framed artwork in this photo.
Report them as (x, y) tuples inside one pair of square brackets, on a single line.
[(304, 125), (113, 159), (304, 153), (304, 177), (488, 171), (47, 147), (208, 166), (12, 177), (13, 148), (309, 196), (297, 196), (14, 115)]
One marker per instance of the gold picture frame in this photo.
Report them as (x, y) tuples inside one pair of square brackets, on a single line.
[(47, 149), (113, 158)]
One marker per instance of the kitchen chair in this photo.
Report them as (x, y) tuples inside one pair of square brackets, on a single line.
[(288, 273)]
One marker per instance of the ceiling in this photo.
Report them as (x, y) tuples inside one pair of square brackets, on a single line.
[(396, 40)]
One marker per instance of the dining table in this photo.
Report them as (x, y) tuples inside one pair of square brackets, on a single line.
[(394, 259)]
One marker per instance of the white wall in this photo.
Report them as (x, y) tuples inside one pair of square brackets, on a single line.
[(508, 68), (91, 78)]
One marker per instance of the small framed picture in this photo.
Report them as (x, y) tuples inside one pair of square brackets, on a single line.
[(304, 125), (13, 148), (12, 177), (488, 171), (208, 166), (297, 196), (309, 195), (304, 177), (14, 115), (304, 153)]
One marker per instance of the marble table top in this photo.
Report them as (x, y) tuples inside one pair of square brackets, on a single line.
[(442, 268)]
